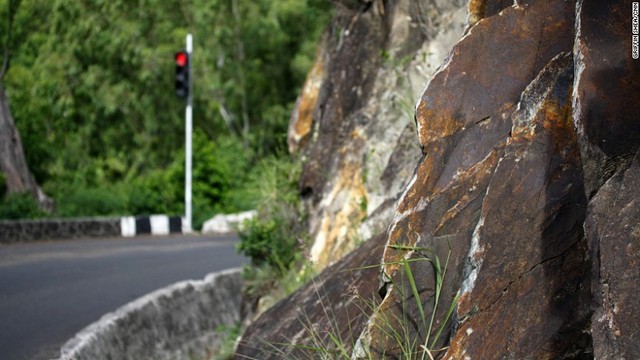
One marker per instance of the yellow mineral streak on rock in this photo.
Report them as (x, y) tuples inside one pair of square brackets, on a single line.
[(433, 126), (477, 10), (302, 117), (341, 216)]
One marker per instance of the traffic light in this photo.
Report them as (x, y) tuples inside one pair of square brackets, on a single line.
[(182, 74)]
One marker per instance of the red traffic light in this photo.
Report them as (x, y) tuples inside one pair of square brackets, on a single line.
[(182, 74), (182, 59)]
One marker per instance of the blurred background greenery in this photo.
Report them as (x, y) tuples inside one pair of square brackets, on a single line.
[(91, 89)]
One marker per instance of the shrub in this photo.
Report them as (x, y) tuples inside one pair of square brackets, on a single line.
[(92, 202), (157, 192), (268, 241), (272, 237), (19, 206)]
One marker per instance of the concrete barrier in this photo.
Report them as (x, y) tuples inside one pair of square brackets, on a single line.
[(13, 231), (226, 223), (177, 322)]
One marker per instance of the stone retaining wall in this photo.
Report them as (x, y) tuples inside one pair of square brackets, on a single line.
[(177, 322), (13, 231)]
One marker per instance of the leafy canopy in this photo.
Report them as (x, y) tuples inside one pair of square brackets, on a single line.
[(90, 85)]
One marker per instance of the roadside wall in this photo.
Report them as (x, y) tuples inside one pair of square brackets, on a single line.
[(177, 322), (13, 231)]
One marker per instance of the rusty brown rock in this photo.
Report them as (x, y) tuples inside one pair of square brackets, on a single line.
[(350, 75), (337, 303), (302, 116), (529, 269), (517, 43), (362, 150), (337, 224), (480, 9), (493, 7), (605, 113), (463, 123), (613, 231), (531, 115), (606, 100), (332, 179)]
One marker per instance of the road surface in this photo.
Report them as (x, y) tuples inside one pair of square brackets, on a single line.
[(51, 290)]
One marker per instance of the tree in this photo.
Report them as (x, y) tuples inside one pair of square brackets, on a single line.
[(91, 88), (17, 175)]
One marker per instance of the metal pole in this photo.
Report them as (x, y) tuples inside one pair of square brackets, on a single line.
[(188, 132)]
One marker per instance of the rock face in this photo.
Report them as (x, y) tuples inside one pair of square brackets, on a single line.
[(518, 235), (612, 232), (353, 124), (540, 167), (607, 82)]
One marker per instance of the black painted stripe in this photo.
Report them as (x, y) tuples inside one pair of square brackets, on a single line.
[(175, 224), (143, 225)]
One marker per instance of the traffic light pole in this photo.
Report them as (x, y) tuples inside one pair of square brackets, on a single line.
[(187, 227)]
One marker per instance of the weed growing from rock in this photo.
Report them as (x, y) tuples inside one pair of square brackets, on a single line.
[(328, 341)]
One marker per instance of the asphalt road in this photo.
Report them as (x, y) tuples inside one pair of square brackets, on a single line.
[(51, 290)]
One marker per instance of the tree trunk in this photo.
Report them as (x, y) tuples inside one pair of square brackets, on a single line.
[(240, 59), (12, 161)]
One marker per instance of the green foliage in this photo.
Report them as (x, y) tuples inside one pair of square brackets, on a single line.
[(19, 206), (3, 185), (96, 201), (90, 86), (218, 168), (229, 336), (269, 242), (272, 238), (159, 192), (219, 178), (275, 237)]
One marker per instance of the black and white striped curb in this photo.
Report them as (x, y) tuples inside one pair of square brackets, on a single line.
[(154, 224)]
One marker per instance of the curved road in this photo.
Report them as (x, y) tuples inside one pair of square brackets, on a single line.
[(51, 290)]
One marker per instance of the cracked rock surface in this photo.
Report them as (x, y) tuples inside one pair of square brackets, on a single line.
[(521, 217)]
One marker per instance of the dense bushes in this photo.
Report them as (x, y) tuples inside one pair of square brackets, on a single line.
[(274, 237), (19, 206)]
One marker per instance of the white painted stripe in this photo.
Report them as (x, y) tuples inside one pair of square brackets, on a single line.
[(128, 226), (159, 224)]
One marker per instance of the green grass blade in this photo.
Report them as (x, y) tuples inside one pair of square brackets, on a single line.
[(414, 289), (452, 307)]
